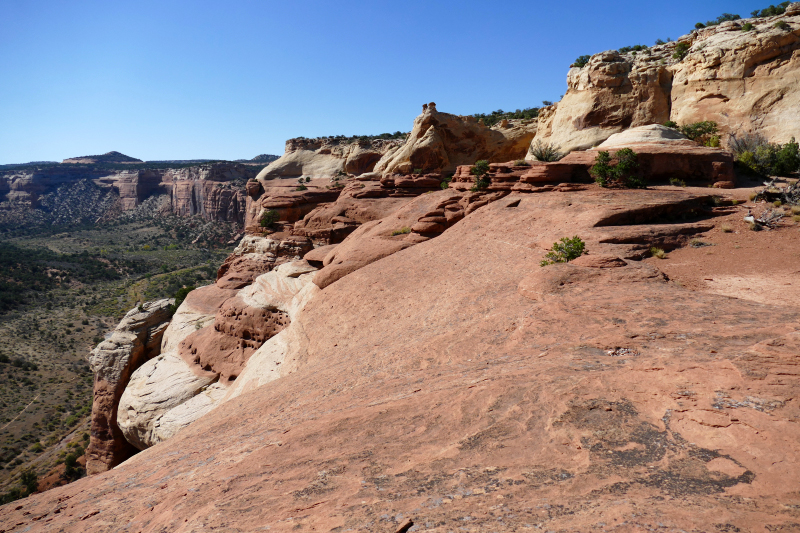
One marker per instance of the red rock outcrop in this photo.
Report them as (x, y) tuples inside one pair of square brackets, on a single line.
[(458, 384), (214, 191), (256, 255), (662, 154), (743, 80), (135, 340), (440, 142), (238, 330), (326, 157)]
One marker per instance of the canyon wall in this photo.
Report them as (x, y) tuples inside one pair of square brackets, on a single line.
[(746, 81), (216, 191)]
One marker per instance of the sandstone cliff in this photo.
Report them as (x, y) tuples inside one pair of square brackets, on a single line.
[(743, 80), (326, 157)]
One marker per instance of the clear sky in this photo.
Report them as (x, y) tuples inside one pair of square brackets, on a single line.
[(233, 79)]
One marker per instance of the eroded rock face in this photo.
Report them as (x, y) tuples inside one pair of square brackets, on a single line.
[(256, 255), (323, 158), (166, 382), (662, 154), (135, 340), (744, 81), (215, 191), (207, 363), (439, 142)]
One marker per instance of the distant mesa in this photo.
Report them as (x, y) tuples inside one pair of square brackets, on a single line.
[(110, 157), (264, 158)]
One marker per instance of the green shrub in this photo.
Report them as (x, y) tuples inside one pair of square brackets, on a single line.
[(29, 480), (546, 152), (771, 11), (268, 218), (521, 163), (699, 26), (747, 26), (677, 183), (564, 251), (622, 173), (480, 170), (701, 132), (180, 296), (401, 231), (417, 171), (681, 49), (782, 25), (658, 252), (446, 182), (671, 124), (582, 61), (757, 155), (301, 187)]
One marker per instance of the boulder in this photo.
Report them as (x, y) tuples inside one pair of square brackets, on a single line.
[(135, 340)]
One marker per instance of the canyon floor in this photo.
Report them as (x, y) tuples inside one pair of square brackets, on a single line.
[(45, 409), (459, 385)]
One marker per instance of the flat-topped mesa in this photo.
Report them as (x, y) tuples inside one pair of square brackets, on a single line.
[(743, 80), (109, 157)]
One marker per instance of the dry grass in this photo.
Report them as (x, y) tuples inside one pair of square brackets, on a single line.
[(658, 252), (401, 231), (725, 228)]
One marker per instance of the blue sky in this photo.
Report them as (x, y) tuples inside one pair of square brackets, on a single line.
[(234, 79)]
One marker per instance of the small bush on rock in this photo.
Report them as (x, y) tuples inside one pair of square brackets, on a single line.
[(582, 61), (704, 132), (658, 252), (268, 218), (480, 170), (771, 11), (782, 25), (547, 152), (401, 231), (747, 26), (564, 251), (681, 49), (622, 173)]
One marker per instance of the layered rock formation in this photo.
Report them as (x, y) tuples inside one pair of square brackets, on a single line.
[(257, 255), (662, 154), (326, 157), (743, 80), (135, 340), (215, 191), (440, 142), (210, 363)]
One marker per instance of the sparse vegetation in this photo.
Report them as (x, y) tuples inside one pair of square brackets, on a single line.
[(481, 171), (446, 182), (543, 151), (747, 26), (725, 228), (620, 170), (268, 218), (582, 61), (755, 154), (401, 231), (564, 250), (521, 163), (782, 25), (658, 252), (677, 182), (704, 132), (490, 119), (771, 11), (681, 49)]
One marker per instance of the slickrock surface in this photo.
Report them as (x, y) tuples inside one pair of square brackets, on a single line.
[(744, 81), (458, 384), (135, 340), (439, 142)]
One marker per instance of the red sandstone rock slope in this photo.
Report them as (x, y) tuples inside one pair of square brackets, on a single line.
[(458, 384)]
